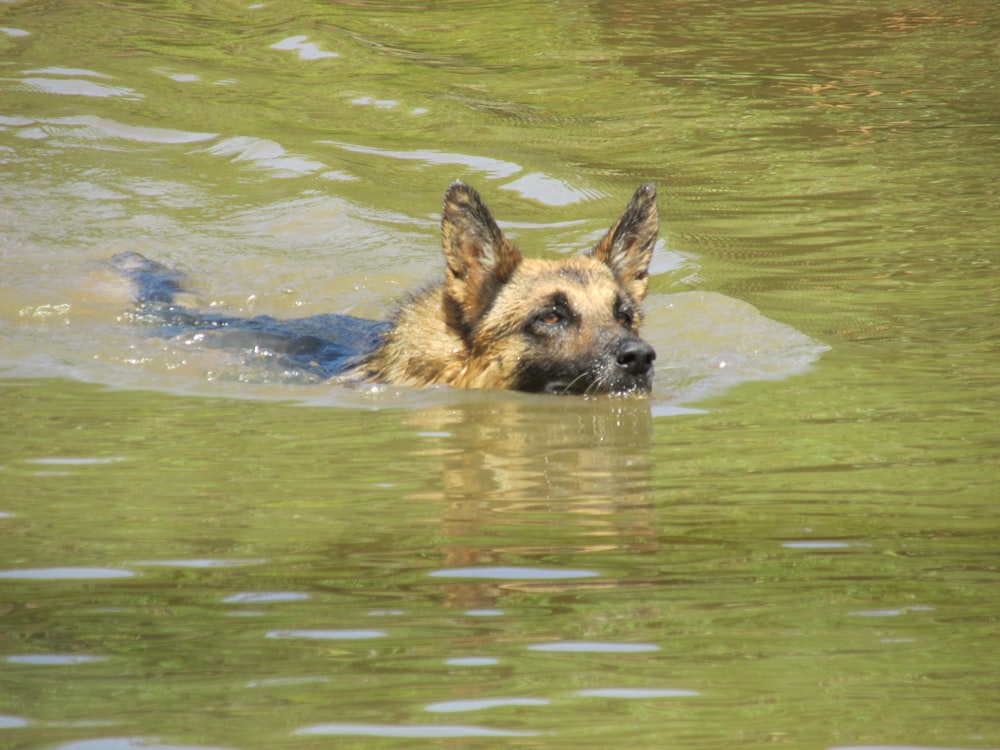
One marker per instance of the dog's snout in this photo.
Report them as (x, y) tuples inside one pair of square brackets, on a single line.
[(635, 356)]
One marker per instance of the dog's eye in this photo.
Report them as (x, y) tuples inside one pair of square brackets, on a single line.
[(550, 317), (625, 318)]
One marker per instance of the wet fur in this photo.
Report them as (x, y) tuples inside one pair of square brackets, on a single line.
[(500, 320)]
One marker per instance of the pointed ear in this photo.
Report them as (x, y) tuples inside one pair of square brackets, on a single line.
[(627, 248), (480, 259)]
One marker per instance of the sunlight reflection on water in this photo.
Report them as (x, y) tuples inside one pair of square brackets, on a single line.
[(478, 704), (334, 635), (594, 647), (66, 573), (412, 731), (53, 659), (513, 573)]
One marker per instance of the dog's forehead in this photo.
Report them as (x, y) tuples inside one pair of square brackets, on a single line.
[(577, 269), (585, 282)]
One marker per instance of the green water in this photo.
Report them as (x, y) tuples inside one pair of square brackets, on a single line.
[(793, 542)]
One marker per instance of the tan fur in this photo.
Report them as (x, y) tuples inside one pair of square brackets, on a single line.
[(502, 321)]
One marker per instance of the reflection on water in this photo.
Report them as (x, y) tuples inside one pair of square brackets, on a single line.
[(421, 730), (505, 461), (630, 693), (127, 743), (65, 573), (592, 647), (333, 635), (58, 660), (512, 573)]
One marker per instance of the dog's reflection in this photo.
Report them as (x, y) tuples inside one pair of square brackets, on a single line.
[(527, 480)]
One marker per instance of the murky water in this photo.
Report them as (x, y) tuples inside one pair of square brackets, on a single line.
[(792, 542)]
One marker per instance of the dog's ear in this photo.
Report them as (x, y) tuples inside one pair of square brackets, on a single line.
[(627, 248), (480, 259)]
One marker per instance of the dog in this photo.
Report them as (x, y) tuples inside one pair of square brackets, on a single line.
[(497, 321)]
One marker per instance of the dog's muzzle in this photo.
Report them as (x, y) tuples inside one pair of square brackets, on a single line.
[(635, 357)]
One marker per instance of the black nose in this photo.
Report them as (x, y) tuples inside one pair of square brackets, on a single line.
[(635, 356)]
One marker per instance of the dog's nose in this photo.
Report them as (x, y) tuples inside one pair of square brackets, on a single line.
[(635, 356)]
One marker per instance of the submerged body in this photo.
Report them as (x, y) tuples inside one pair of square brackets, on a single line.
[(498, 320)]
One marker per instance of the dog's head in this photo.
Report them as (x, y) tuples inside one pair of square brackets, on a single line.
[(558, 326)]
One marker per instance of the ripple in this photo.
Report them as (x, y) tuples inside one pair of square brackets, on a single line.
[(265, 154), (890, 612), (472, 661), (77, 87), (492, 167), (199, 563), (12, 722), (100, 127), (58, 71), (513, 573), (50, 660), (72, 461), (479, 704), (410, 730), (349, 635), (306, 50), (368, 101), (126, 743), (56, 574), (596, 647), (669, 410), (264, 597), (636, 693), (284, 681), (549, 190)]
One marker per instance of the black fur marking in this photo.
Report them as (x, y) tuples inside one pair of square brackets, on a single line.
[(321, 345)]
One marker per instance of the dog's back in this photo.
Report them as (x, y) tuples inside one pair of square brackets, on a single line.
[(321, 346), (497, 321)]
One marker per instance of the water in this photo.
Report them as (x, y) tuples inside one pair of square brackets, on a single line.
[(792, 542)]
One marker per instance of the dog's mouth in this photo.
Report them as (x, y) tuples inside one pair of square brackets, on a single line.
[(560, 388), (584, 387), (627, 370)]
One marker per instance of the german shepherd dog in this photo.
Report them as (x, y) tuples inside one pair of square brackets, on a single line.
[(498, 320)]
